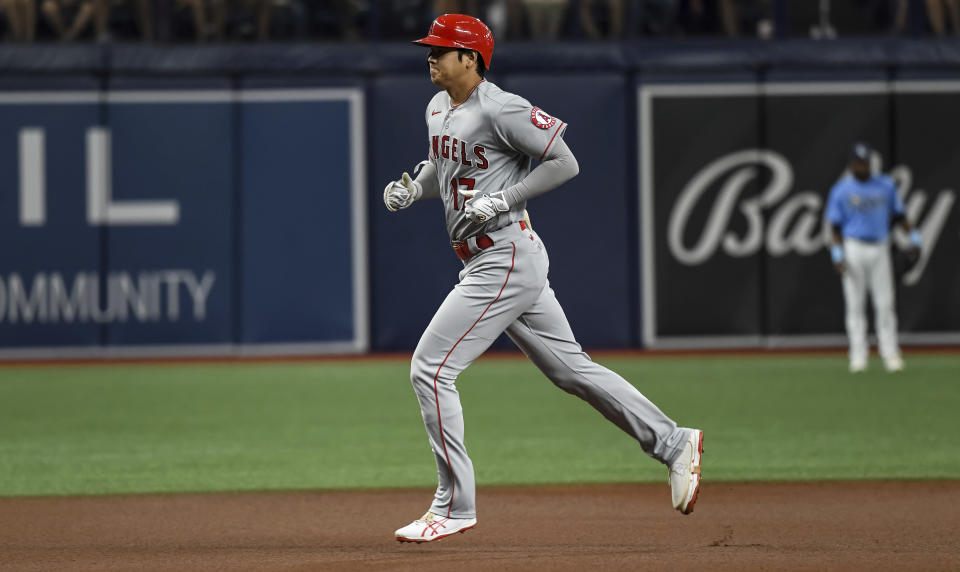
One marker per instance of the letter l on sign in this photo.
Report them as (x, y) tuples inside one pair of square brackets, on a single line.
[(101, 209)]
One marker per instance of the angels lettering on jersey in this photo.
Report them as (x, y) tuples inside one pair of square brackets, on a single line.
[(485, 144), (469, 155), (461, 151)]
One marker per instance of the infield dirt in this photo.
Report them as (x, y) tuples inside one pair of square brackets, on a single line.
[(791, 526)]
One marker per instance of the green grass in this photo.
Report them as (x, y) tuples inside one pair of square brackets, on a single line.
[(119, 429)]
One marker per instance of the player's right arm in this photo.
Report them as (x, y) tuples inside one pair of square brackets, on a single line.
[(428, 181), (835, 216), (402, 193), (425, 184)]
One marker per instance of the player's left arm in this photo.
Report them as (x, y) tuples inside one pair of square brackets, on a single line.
[(538, 135), (533, 132), (558, 166), (898, 216)]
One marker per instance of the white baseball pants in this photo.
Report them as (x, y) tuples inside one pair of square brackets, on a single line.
[(505, 288), (869, 270)]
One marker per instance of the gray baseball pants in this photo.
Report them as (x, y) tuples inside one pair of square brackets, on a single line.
[(505, 288)]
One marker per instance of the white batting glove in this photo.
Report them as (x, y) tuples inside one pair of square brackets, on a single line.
[(401, 194), (481, 207)]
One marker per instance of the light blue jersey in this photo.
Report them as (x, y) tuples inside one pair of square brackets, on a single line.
[(863, 210)]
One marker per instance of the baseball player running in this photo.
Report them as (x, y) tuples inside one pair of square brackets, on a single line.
[(482, 140), (862, 207)]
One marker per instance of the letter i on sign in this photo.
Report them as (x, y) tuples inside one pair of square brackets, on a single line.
[(33, 208)]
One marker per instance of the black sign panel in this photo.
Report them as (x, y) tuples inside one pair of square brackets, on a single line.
[(734, 181), (928, 168), (812, 135), (689, 222)]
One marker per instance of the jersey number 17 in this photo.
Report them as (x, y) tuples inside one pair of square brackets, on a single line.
[(466, 184)]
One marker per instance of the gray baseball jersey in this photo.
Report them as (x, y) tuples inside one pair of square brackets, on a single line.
[(487, 144)]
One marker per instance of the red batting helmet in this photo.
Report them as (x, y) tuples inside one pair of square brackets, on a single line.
[(460, 31)]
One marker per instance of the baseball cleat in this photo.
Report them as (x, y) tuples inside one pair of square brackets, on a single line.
[(858, 365), (893, 364), (685, 473), (430, 527)]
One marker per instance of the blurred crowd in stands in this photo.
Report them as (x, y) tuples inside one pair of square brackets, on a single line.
[(539, 20)]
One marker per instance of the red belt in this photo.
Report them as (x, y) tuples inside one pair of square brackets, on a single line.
[(483, 242)]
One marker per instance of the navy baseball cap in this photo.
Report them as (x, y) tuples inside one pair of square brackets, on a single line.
[(860, 152)]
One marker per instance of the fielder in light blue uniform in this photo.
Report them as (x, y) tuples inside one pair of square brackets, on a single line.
[(862, 208)]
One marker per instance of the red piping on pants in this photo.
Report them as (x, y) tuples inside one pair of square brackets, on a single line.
[(436, 392)]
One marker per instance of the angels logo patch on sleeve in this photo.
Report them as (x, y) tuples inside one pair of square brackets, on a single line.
[(542, 119)]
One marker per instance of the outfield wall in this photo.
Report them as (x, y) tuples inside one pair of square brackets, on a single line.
[(221, 201)]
